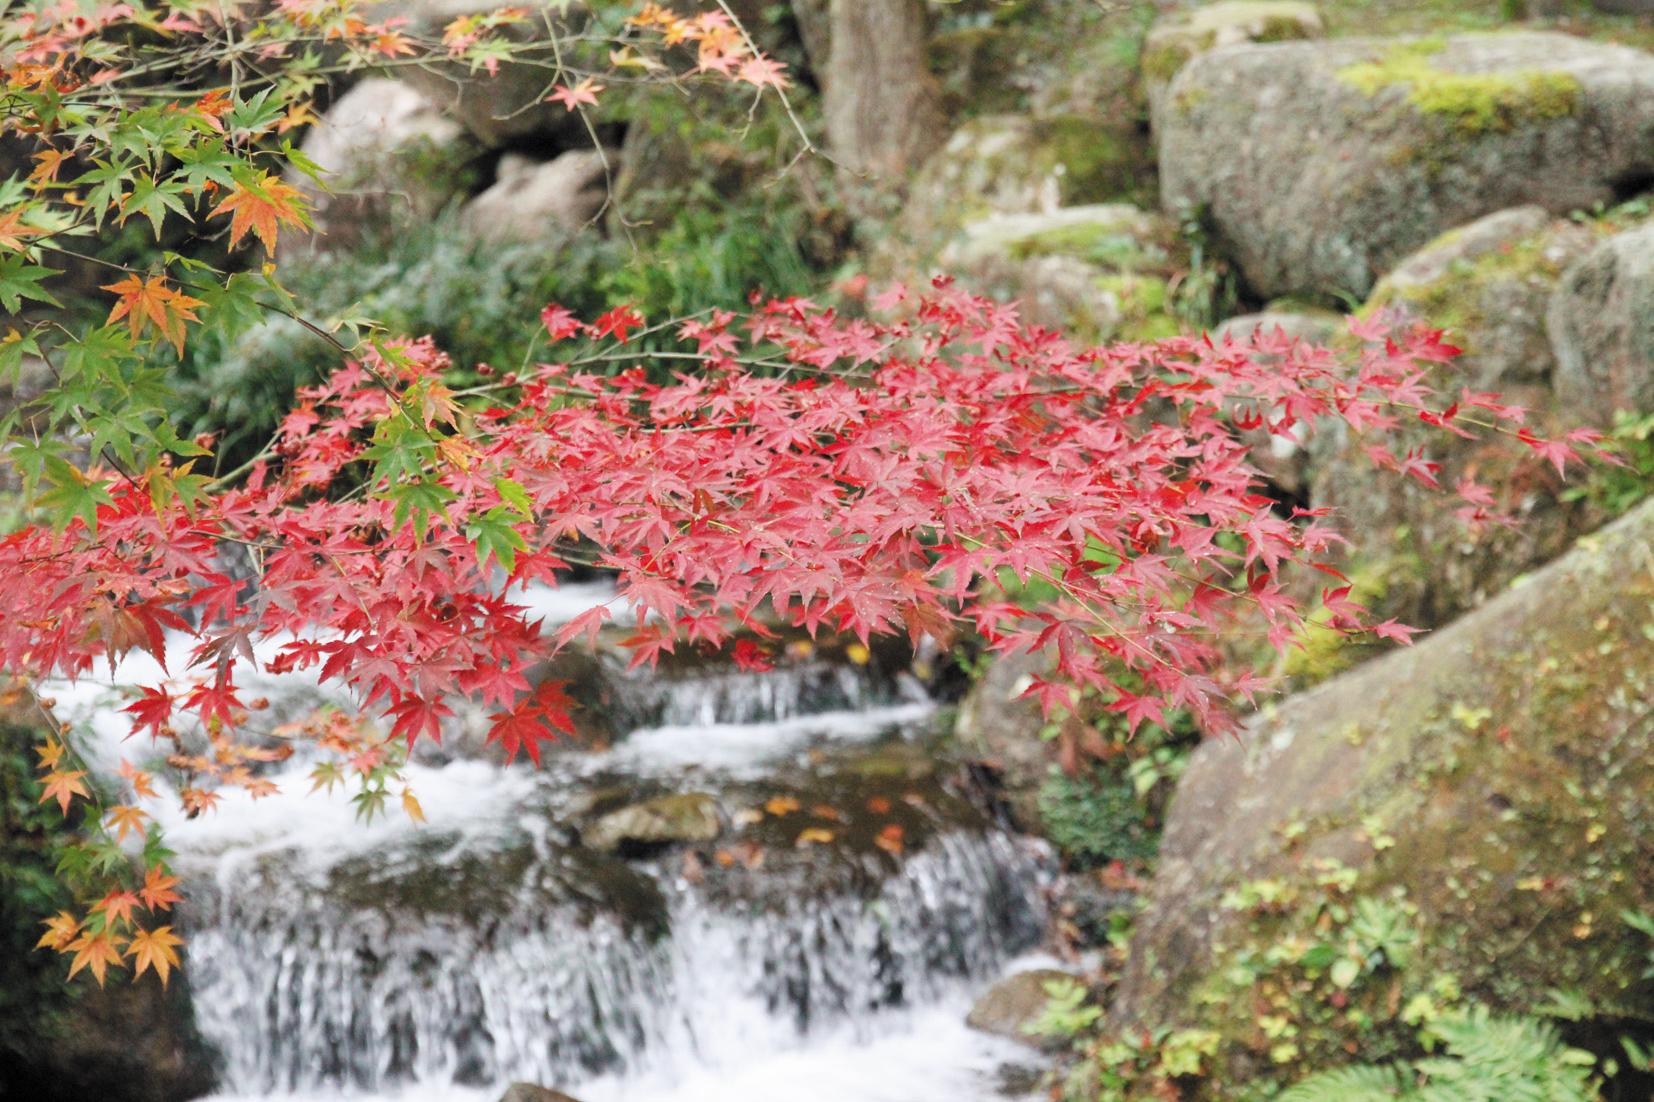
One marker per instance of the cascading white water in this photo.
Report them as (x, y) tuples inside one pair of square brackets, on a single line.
[(487, 946)]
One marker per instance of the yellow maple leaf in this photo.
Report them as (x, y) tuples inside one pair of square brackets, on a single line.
[(262, 208), (410, 804), (50, 752), (157, 949), (61, 929), (150, 301)]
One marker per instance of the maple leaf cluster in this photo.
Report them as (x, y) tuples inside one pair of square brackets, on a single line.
[(892, 476)]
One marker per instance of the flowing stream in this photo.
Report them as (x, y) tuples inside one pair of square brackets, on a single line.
[(444, 960)]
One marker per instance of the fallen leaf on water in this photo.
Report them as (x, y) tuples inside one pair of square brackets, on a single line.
[(781, 805), (890, 839), (748, 816), (825, 811), (878, 805), (814, 836)]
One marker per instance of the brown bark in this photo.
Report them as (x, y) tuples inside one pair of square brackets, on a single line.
[(883, 108)]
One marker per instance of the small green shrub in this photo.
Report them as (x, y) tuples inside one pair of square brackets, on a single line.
[(1094, 817), (1485, 1058), (481, 301)]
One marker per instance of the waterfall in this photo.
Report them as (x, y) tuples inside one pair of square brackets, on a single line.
[(487, 945)]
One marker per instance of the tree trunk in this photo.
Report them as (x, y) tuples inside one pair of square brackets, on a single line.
[(883, 108)]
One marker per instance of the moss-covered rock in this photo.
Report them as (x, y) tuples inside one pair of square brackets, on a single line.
[(1321, 164), (1489, 789), (1178, 37), (132, 1041), (1017, 164), (1016, 1002), (665, 820), (1489, 285), (1100, 272)]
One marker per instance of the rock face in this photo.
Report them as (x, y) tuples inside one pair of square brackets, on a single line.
[(690, 817), (1008, 1007), (1001, 730), (1496, 776), (1490, 284), (388, 154), (1322, 164), (1602, 326), (1176, 38), (539, 200)]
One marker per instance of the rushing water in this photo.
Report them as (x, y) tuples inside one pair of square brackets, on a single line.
[(445, 960)]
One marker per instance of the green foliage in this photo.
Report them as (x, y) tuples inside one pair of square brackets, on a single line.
[(32, 842), (480, 302), (1210, 290), (1485, 1058), (1615, 489), (1069, 1013), (1095, 817)]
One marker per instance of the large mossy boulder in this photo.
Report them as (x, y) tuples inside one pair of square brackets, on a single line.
[(1488, 796), (1602, 327), (1321, 164), (507, 107), (1489, 285)]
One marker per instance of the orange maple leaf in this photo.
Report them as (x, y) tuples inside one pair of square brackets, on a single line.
[(151, 302), (95, 951), (125, 819), (157, 949), (262, 207), (51, 163), (117, 908), (157, 893), (13, 233), (63, 787)]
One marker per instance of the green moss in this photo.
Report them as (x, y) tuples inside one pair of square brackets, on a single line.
[(1319, 652), (1161, 63), (1104, 244), (1457, 301), (1473, 103), (1098, 162), (1144, 302), (1188, 100)]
